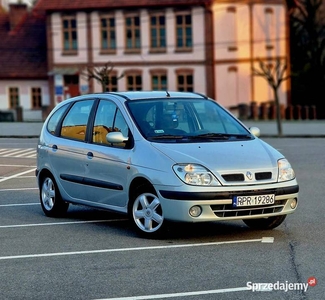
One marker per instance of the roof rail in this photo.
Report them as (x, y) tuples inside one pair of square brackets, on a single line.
[(117, 94), (202, 95)]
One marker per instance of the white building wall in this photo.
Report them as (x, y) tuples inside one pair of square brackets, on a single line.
[(229, 32), (233, 49), (199, 77), (25, 96), (237, 87), (232, 53), (170, 56), (233, 87), (277, 31)]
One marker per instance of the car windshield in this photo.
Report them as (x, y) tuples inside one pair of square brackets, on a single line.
[(185, 120)]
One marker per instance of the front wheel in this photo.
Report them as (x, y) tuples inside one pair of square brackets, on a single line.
[(51, 201), (146, 211), (265, 223)]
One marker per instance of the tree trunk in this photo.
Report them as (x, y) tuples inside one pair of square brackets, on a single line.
[(278, 111)]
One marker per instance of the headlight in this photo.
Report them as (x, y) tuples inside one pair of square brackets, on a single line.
[(285, 170), (195, 175)]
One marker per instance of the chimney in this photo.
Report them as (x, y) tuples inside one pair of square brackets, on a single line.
[(16, 12)]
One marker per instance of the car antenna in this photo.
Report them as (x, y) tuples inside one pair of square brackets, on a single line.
[(167, 94)]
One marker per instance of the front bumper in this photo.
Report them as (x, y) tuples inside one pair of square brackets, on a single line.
[(218, 205)]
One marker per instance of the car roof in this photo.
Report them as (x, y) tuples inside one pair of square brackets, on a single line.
[(137, 95)]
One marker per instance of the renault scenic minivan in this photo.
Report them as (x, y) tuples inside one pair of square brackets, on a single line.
[(161, 156)]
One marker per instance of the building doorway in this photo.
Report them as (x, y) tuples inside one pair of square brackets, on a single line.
[(71, 86)]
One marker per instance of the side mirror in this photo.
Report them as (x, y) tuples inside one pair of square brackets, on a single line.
[(116, 137), (255, 131)]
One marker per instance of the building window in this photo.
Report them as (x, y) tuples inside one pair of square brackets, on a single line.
[(157, 32), (232, 86), (36, 98), (159, 80), (134, 81), (185, 82), (111, 85), (232, 28), (269, 28), (13, 97), (132, 33), (69, 27), (108, 33), (183, 31)]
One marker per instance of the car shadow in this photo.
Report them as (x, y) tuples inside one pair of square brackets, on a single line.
[(119, 224)]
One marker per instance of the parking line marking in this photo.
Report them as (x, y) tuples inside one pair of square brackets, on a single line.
[(21, 189), (20, 152), (22, 166), (18, 204), (184, 294), (16, 175), (28, 176), (58, 223), (126, 249), (4, 151)]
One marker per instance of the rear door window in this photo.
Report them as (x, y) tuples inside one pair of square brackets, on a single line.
[(75, 122)]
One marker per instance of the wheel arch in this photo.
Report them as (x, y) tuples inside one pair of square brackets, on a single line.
[(137, 183), (42, 174)]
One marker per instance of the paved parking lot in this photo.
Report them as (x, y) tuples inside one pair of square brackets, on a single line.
[(93, 254)]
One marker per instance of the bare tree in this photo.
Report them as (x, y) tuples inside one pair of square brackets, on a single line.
[(101, 74), (274, 74)]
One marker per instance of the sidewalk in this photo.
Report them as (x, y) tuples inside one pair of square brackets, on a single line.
[(267, 128), (290, 128)]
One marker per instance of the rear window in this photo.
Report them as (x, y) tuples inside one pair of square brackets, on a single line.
[(55, 119)]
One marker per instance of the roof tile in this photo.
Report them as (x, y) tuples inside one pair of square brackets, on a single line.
[(23, 50), (57, 5)]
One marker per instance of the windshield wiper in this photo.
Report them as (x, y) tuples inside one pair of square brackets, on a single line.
[(220, 136), (165, 136)]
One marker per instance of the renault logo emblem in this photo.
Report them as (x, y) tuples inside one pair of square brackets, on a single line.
[(249, 175)]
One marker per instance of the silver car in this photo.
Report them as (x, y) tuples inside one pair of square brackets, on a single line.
[(161, 156)]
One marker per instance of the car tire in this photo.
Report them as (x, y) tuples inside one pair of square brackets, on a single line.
[(50, 197), (146, 212), (265, 223)]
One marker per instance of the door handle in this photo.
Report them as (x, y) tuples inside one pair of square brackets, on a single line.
[(90, 154)]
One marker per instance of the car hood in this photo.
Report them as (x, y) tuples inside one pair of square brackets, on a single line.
[(230, 157)]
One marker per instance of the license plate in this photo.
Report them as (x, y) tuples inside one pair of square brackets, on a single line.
[(255, 200)]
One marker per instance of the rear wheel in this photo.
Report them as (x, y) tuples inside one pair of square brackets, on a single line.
[(146, 211), (50, 197), (265, 223)]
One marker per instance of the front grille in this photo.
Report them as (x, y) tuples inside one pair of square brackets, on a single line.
[(227, 210), (233, 177), (238, 177), (263, 175)]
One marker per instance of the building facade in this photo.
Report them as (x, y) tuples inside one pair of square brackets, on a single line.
[(207, 46)]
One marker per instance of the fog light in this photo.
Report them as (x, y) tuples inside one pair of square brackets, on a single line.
[(195, 211), (293, 203)]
